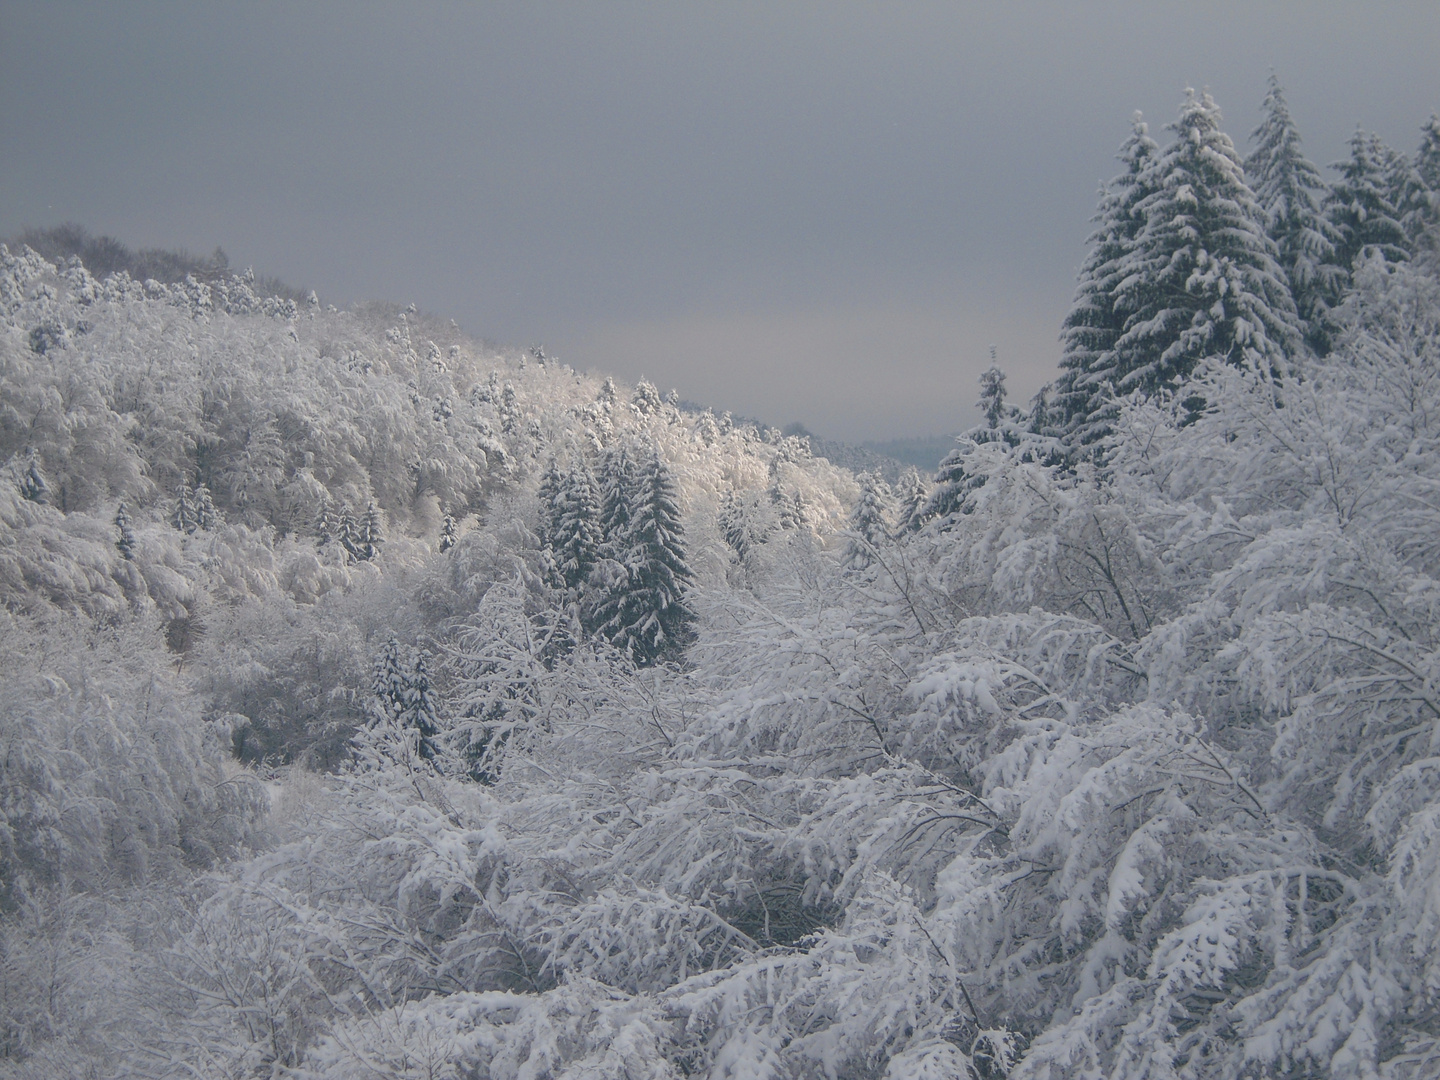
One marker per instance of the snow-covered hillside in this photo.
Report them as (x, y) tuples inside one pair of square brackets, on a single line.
[(379, 706)]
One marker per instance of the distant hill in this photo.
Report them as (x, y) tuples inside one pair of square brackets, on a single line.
[(923, 452), (104, 255)]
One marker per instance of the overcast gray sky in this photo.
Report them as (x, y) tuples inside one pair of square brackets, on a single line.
[(814, 212)]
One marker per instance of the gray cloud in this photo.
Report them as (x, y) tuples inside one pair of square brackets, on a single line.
[(671, 188)]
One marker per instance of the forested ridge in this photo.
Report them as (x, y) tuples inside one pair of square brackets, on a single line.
[(381, 704)]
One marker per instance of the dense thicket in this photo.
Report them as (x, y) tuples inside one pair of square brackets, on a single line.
[(1111, 751)]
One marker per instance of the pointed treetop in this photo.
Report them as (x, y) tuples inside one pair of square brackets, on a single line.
[(1290, 191)]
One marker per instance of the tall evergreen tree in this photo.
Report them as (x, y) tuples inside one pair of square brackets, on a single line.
[(1420, 215), (618, 488), (1076, 405), (183, 517), (1361, 209), (548, 494), (207, 516), (1201, 278), (418, 707), (350, 535), (1003, 424), (646, 615), (576, 532), (388, 684), (868, 522), (914, 497), (402, 726), (1291, 192), (372, 534)]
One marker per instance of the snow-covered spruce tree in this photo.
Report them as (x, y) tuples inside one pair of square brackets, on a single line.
[(449, 532), (31, 480), (1291, 193), (1420, 213), (1201, 278), (644, 614), (401, 729), (1077, 405), (207, 514), (914, 495), (420, 708), (1360, 207), (619, 483), (1006, 428), (183, 517), (124, 534), (576, 535), (349, 534), (370, 535), (868, 522), (548, 495)]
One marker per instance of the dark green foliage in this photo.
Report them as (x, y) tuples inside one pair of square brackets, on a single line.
[(641, 608), (372, 534), (1202, 278), (619, 483), (1361, 208), (1291, 192), (1420, 211), (575, 533), (195, 510), (32, 481), (1093, 326), (125, 538), (388, 684), (419, 709)]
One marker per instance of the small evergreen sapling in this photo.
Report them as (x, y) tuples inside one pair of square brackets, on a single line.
[(32, 481), (125, 538)]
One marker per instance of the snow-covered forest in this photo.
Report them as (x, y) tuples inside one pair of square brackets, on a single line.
[(381, 705)]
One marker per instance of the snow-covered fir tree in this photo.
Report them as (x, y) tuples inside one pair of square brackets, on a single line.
[(868, 522), (1420, 213), (31, 481), (419, 707), (1360, 208), (647, 398), (124, 534), (449, 532), (1077, 405), (619, 484), (1291, 193), (645, 613), (576, 533), (914, 496), (183, 516), (1201, 278)]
